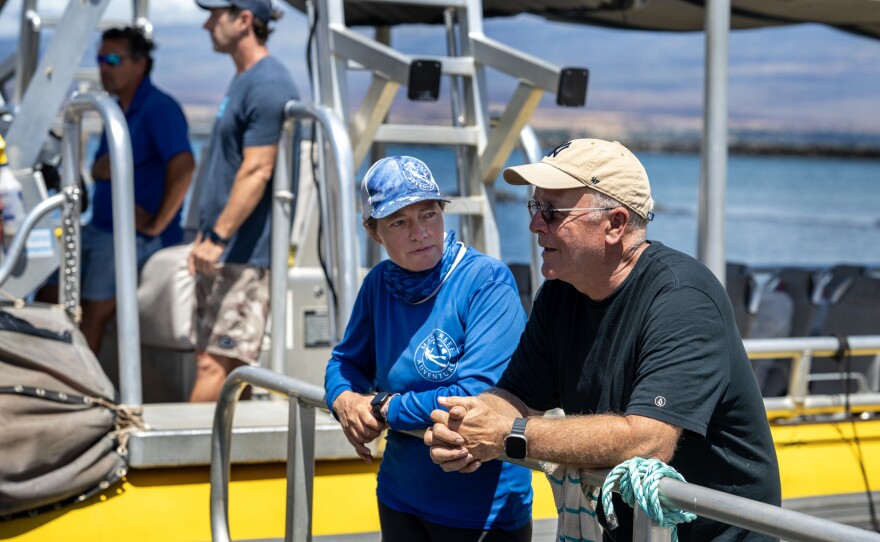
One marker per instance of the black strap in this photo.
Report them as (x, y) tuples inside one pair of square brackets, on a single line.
[(842, 347), (50, 395), (843, 358)]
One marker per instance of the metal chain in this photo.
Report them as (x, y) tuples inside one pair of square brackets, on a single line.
[(70, 240)]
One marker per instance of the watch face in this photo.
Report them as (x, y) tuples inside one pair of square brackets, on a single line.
[(515, 446), (378, 399)]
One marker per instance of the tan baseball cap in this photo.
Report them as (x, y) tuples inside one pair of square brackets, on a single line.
[(605, 166)]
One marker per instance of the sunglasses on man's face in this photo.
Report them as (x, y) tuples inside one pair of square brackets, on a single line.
[(110, 59), (548, 213)]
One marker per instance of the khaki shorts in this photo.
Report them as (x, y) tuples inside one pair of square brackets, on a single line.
[(230, 311)]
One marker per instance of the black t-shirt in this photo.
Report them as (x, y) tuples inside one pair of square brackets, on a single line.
[(665, 346)]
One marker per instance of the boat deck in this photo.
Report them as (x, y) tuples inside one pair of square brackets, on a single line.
[(179, 434)]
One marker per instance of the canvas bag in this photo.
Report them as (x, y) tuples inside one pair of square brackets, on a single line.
[(62, 438)]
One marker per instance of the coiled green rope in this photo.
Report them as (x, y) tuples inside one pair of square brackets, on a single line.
[(639, 480)]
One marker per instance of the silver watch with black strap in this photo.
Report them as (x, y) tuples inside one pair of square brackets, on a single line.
[(516, 445)]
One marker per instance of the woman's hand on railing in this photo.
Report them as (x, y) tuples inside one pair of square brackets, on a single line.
[(358, 422)]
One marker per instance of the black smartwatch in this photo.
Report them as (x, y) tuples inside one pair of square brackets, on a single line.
[(516, 445), (378, 402), (215, 238)]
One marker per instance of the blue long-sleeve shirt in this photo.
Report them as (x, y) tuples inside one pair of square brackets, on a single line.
[(457, 343)]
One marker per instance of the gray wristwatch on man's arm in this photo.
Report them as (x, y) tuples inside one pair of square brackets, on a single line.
[(516, 445)]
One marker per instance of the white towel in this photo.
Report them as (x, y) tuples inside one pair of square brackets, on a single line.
[(576, 503)]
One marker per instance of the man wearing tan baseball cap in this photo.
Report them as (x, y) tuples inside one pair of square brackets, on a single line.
[(606, 167), (635, 341)]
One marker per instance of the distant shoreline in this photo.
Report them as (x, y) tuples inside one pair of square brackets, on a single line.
[(800, 145), (765, 149), (756, 143)]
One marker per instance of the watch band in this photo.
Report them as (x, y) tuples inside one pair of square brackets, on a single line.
[(516, 445), (519, 426), (215, 238), (378, 402)]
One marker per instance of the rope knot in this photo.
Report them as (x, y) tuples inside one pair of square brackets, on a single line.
[(639, 482)]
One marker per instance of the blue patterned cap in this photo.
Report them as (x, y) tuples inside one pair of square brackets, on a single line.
[(393, 183)]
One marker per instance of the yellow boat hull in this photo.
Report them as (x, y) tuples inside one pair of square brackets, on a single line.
[(172, 504), (820, 459)]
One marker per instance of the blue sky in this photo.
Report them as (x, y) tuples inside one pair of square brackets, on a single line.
[(807, 78)]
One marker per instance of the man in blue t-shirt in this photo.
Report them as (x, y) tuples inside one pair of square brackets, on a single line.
[(163, 168), (230, 259)]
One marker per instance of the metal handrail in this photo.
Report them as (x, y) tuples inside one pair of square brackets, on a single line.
[(18, 241), (802, 350), (122, 173), (334, 135), (741, 512), (282, 206), (345, 252), (819, 346), (304, 397)]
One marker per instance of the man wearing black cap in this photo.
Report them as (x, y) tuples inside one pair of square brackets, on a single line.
[(230, 258), (635, 341)]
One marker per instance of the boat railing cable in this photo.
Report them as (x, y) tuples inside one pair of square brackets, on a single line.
[(304, 398)]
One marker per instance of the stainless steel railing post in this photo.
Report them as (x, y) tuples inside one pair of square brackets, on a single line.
[(122, 173), (645, 530), (345, 260), (303, 397), (300, 471), (282, 206), (221, 443)]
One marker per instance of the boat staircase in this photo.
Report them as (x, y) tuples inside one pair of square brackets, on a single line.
[(482, 144)]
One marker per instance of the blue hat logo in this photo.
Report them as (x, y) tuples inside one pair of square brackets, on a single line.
[(418, 173), (393, 183)]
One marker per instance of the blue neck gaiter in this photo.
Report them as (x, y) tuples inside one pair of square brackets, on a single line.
[(413, 287)]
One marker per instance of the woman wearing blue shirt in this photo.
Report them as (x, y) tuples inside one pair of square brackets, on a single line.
[(436, 319)]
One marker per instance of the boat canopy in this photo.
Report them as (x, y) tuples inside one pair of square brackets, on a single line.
[(857, 16)]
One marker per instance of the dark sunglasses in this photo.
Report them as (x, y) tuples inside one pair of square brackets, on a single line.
[(548, 213), (110, 59)]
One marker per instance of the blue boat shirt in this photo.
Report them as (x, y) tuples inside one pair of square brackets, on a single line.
[(158, 131), (457, 343)]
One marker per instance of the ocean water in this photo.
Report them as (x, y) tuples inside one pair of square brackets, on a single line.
[(781, 210)]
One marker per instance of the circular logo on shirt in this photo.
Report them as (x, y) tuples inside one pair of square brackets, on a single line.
[(436, 357), (660, 401)]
